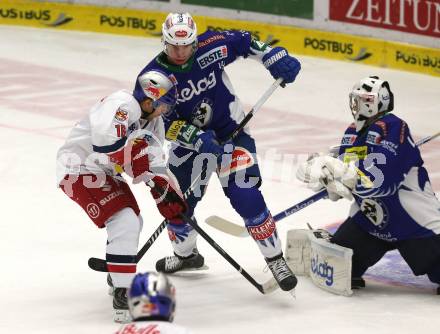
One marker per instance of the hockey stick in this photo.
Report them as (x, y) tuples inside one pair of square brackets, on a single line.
[(237, 230), (101, 265), (270, 286)]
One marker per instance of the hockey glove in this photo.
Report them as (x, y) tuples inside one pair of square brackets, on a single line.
[(133, 159), (169, 201), (337, 177), (281, 65), (207, 142)]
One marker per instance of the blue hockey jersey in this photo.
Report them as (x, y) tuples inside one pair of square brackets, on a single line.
[(394, 199), (205, 95)]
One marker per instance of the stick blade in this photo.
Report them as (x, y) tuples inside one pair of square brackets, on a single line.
[(226, 226), (270, 286), (97, 264)]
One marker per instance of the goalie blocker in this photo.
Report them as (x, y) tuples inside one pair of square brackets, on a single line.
[(309, 253)]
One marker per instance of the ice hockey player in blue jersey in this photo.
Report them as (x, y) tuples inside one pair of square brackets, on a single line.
[(207, 112), (152, 304), (381, 168)]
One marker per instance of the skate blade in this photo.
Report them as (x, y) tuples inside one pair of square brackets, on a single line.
[(190, 272), (292, 293), (204, 267)]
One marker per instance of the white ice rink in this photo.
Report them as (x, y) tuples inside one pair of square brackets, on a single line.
[(49, 79)]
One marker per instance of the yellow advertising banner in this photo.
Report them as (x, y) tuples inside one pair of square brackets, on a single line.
[(297, 40)]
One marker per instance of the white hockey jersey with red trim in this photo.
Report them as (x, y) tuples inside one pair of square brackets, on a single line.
[(108, 126), (152, 327)]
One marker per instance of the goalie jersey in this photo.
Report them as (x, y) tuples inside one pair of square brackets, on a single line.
[(394, 199), (206, 98)]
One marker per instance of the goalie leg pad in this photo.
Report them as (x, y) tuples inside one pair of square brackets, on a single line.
[(327, 264)]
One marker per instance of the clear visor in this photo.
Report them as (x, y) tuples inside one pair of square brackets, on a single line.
[(166, 108), (357, 99)]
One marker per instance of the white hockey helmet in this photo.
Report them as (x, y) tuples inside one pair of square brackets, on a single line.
[(368, 98), (179, 29), (157, 86), (151, 296)]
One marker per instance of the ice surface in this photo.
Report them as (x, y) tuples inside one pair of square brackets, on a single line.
[(50, 78)]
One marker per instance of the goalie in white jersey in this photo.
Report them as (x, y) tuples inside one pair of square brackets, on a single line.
[(152, 303), (122, 133)]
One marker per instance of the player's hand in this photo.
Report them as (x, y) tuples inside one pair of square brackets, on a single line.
[(133, 159), (169, 201), (206, 142), (336, 176), (281, 65)]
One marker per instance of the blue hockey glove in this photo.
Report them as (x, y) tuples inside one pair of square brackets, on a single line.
[(207, 142), (281, 65)]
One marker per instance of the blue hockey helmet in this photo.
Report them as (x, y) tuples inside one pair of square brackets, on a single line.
[(151, 296)]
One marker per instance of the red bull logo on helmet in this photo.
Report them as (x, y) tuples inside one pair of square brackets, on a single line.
[(154, 92)]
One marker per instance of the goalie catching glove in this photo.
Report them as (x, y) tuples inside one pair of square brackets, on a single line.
[(336, 176), (169, 201)]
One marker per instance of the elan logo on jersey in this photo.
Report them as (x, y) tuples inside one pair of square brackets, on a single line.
[(212, 56)]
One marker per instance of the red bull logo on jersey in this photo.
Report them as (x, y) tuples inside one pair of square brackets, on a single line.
[(212, 56), (121, 115)]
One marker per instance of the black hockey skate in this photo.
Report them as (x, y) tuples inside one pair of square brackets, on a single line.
[(357, 283), (120, 306), (172, 264), (282, 273)]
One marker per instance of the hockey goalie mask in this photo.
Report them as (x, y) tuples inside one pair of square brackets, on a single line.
[(179, 29), (151, 296), (159, 87), (369, 98)]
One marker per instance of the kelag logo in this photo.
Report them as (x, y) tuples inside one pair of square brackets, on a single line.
[(336, 47), (43, 15), (322, 269)]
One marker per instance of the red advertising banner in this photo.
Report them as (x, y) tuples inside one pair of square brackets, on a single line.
[(414, 16)]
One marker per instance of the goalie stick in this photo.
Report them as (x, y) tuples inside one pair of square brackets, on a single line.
[(237, 230), (101, 264)]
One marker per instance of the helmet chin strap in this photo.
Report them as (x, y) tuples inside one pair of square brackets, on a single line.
[(369, 121)]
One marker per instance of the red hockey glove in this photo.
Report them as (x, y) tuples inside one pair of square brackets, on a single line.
[(169, 201), (134, 159)]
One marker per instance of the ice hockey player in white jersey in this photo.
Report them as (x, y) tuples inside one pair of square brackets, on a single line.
[(152, 303), (122, 133), (380, 167)]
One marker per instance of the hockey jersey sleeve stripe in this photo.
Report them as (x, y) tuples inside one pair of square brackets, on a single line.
[(110, 148), (121, 268), (120, 258)]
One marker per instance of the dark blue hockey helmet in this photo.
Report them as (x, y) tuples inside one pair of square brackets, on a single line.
[(151, 296)]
